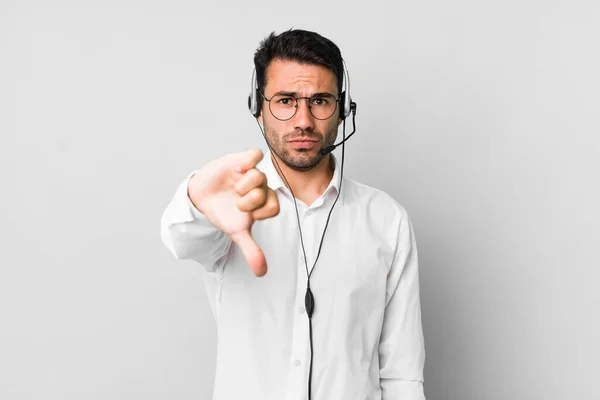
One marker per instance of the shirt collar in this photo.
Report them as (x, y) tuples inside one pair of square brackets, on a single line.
[(275, 182)]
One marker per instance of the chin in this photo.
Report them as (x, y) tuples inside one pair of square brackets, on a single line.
[(304, 163)]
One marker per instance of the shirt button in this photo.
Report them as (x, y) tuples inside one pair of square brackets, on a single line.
[(302, 310), (297, 363)]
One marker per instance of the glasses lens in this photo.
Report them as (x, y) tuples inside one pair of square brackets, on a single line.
[(283, 107), (323, 106)]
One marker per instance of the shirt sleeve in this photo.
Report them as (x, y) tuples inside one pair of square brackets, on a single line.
[(187, 233), (401, 346)]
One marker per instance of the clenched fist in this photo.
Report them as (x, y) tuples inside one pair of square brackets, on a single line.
[(232, 194)]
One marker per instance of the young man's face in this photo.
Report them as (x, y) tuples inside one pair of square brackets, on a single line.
[(299, 140)]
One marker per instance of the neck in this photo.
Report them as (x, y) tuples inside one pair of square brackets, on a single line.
[(307, 185)]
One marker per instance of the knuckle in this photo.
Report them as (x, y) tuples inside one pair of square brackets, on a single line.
[(271, 207), (242, 205), (239, 187), (252, 179), (263, 197), (274, 208), (258, 178), (262, 178), (258, 196)]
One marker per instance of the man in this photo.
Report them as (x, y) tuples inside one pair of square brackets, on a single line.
[(356, 249)]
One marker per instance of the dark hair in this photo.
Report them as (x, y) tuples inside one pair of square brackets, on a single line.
[(301, 46)]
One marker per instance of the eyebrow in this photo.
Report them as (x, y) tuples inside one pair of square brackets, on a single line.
[(295, 94)]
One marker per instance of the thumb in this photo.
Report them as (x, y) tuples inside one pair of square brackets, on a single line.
[(252, 253)]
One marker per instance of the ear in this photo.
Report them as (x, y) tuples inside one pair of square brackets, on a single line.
[(340, 121), (260, 118)]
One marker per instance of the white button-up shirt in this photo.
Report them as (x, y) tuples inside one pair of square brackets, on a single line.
[(367, 333)]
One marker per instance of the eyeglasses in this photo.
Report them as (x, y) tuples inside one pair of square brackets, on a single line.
[(284, 106)]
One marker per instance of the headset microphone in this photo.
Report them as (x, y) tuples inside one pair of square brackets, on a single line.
[(329, 149)]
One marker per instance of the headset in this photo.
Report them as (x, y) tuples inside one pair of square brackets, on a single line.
[(346, 104), (348, 107)]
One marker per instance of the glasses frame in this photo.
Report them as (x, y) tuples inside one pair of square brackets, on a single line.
[(337, 101)]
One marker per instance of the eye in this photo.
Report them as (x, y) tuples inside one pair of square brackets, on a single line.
[(285, 100), (319, 101)]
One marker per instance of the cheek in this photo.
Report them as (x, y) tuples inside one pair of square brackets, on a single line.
[(277, 127), (274, 130), (329, 128)]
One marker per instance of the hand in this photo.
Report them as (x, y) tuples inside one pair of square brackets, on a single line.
[(232, 194)]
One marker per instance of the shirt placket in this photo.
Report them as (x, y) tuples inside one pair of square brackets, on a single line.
[(300, 354)]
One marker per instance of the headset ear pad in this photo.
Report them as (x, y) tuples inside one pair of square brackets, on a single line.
[(259, 104), (342, 103)]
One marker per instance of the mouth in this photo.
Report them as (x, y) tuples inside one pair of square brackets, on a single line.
[(304, 139), (303, 144)]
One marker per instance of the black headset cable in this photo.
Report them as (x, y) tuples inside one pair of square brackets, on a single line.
[(309, 302)]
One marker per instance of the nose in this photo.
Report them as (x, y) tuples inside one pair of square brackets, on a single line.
[(303, 119)]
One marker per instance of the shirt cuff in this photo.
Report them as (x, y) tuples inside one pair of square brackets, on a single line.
[(196, 214), (392, 389), (182, 209)]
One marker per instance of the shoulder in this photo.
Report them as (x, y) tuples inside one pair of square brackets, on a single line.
[(379, 205)]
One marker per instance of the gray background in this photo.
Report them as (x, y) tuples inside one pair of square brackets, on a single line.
[(480, 117)]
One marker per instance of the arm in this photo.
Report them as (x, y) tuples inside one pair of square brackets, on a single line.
[(187, 233), (401, 347)]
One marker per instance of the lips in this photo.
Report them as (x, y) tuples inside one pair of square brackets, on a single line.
[(303, 143), (303, 138)]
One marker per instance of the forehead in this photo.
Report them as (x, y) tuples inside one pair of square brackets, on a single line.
[(292, 76)]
